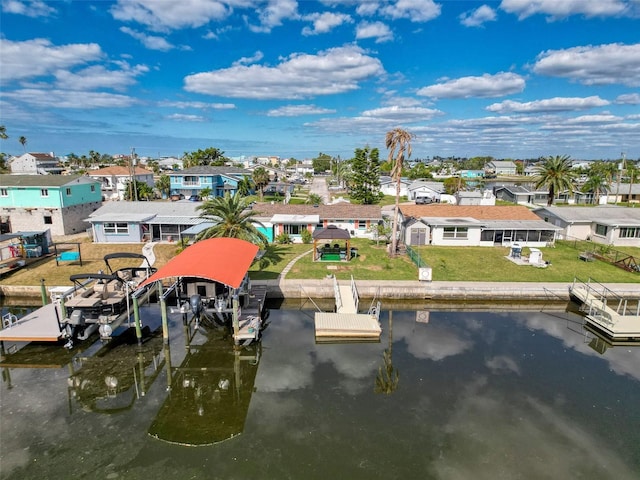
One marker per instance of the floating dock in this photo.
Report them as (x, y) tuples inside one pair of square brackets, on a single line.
[(346, 324), (616, 317), (248, 326)]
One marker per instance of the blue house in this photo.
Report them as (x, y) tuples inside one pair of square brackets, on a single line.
[(58, 203), (190, 182)]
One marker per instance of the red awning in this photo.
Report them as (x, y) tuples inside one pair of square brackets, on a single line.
[(225, 260)]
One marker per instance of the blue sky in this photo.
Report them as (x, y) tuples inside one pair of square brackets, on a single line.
[(510, 79)]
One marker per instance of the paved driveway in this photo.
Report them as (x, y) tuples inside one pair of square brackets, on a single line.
[(319, 187)]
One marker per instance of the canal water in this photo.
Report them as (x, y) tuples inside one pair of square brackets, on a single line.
[(445, 394)]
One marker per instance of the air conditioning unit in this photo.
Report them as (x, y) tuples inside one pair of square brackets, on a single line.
[(424, 274)]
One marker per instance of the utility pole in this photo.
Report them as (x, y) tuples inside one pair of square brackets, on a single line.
[(620, 167)]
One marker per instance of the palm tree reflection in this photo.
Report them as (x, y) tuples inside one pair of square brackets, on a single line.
[(387, 377)]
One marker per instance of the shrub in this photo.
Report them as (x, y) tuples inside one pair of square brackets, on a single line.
[(306, 236), (283, 238)]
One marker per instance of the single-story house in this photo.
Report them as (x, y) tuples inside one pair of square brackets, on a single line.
[(422, 188), (388, 186), (474, 225), (475, 197), (132, 222), (606, 224), (278, 218)]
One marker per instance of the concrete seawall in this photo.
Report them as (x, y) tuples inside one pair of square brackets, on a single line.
[(410, 290)]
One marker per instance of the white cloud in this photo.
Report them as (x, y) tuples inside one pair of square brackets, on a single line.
[(185, 118), (614, 63), (298, 110), (325, 22), (486, 86), (414, 10), (302, 75), (377, 30), (164, 16), (401, 112), (556, 9), (198, 105), (98, 76), (70, 98), (557, 104), (478, 17), (274, 13), (256, 57), (152, 42), (629, 99), (35, 8), (590, 119), (39, 57)]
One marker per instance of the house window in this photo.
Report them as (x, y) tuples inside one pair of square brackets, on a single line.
[(191, 180), (630, 232), (116, 228), (48, 220), (44, 192), (455, 232), (4, 192), (93, 188), (601, 230), (292, 229), (362, 224), (68, 192)]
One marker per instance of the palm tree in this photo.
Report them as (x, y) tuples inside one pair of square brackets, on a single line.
[(163, 184), (3, 132), (261, 179), (23, 142), (232, 219), (244, 186), (397, 140), (632, 173), (556, 174), (205, 193), (314, 199), (595, 183)]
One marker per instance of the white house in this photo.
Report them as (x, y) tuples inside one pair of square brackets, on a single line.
[(388, 186), (475, 197), (606, 224), (36, 164), (500, 167), (474, 225), (422, 188), (114, 180)]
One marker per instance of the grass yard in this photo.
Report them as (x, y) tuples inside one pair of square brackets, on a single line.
[(489, 264), (92, 261), (448, 264)]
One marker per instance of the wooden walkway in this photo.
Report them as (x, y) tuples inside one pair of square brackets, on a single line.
[(41, 325), (607, 312), (347, 323)]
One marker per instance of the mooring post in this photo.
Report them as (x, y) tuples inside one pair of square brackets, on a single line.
[(136, 319), (43, 292), (235, 305), (163, 311)]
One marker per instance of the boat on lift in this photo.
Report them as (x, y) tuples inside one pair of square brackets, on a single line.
[(103, 301)]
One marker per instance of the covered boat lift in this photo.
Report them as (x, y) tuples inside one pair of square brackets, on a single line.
[(225, 261)]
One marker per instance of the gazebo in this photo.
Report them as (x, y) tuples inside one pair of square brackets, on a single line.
[(329, 252)]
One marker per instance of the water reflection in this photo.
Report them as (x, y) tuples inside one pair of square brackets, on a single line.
[(509, 394), (209, 393)]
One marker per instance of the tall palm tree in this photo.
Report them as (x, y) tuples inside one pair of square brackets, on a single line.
[(595, 183), (633, 174), (261, 179), (23, 142), (231, 218), (244, 186), (554, 173), (397, 140)]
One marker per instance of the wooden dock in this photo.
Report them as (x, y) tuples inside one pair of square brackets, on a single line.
[(610, 314), (346, 324), (41, 325)]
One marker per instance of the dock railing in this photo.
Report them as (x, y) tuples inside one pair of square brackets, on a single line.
[(336, 293), (599, 298), (354, 293)]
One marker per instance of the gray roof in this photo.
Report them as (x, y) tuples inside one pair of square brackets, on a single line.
[(604, 214), (435, 186), (44, 180), (179, 213)]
